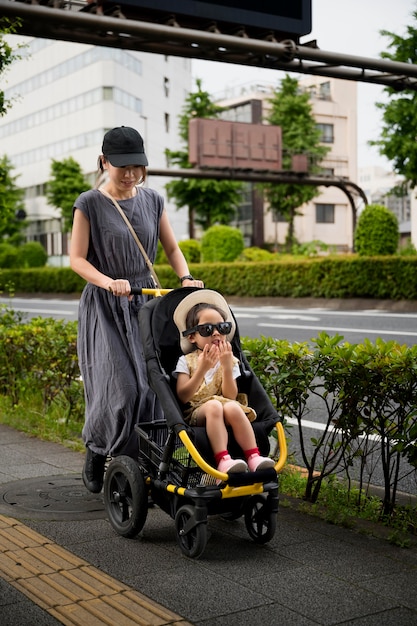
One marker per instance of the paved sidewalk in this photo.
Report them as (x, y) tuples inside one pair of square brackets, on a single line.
[(311, 573)]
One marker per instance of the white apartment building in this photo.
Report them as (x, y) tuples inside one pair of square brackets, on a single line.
[(329, 217), (66, 96)]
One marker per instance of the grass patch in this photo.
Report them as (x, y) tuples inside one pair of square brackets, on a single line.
[(345, 505), (50, 425)]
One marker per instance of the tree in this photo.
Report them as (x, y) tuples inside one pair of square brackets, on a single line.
[(66, 184), (291, 109), (208, 201), (399, 113), (12, 211), (7, 56)]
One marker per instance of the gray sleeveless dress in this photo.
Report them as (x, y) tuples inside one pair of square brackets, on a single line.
[(117, 394)]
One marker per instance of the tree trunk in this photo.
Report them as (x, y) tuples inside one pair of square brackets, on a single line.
[(191, 228), (290, 238)]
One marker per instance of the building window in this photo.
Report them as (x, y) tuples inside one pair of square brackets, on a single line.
[(244, 210), (327, 171), (126, 59), (240, 113), (166, 86), (107, 93), (71, 105), (277, 216), (327, 133), (324, 91), (166, 118), (324, 213)]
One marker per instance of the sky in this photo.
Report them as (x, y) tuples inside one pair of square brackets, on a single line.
[(343, 26)]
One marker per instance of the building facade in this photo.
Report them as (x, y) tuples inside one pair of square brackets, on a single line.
[(65, 97), (329, 217)]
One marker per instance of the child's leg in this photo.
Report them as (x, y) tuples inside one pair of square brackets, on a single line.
[(211, 414), (245, 437)]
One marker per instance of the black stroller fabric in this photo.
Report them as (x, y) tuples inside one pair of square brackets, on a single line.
[(161, 345)]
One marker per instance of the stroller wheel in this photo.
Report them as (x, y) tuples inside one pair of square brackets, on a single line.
[(260, 521), (125, 496), (191, 535)]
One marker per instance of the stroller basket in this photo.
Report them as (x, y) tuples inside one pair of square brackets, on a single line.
[(163, 451)]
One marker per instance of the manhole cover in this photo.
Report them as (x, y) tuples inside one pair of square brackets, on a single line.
[(52, 497)]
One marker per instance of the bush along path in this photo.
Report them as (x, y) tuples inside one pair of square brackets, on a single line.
[(367, 394)]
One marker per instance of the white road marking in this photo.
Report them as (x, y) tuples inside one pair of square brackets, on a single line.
[(322, 427), (47, 312), (362, 331)]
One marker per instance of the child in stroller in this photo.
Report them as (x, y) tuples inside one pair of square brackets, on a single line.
[(206, 380), (176, 466)]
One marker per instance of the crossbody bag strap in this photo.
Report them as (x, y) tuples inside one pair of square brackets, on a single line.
[(135, 237)]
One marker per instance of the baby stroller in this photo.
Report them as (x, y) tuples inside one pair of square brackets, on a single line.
[(175, 468)]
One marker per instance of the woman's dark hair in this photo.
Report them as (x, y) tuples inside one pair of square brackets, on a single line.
[(100, 169)]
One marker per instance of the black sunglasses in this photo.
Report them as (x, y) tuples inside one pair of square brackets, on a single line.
[(206, 330)]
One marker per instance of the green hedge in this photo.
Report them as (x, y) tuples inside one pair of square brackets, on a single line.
[(38, 280), (392, 278)]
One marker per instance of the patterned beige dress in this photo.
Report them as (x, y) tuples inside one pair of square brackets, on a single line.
[(211, 391)]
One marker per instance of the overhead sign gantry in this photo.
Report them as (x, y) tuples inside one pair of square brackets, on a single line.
[(73, 21)]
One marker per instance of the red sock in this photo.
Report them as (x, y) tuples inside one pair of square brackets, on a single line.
[(249, 453), (218, 457)]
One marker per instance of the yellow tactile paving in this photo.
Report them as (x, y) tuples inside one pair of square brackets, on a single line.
[(69, 588)]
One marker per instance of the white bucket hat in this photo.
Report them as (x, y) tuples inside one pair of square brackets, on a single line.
[(206, 296)]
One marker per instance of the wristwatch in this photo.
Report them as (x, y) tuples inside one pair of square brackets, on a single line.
[(188, 277)]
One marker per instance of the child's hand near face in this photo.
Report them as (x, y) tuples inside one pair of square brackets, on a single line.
[(209, 356), (212, 353), (226, 355)]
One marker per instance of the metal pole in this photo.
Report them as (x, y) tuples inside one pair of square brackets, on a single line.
[(271, 177)]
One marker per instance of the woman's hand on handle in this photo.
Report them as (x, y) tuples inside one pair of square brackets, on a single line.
[(119, 287), (192, 282)]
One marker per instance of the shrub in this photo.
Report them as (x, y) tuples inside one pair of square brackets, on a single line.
[(311, 248), (40, 357), (32, 254), (256, 255), (191, 249), (376, 232), (9, 257), (221, 243), (366, 394)]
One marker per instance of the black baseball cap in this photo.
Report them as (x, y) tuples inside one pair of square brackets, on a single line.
[(124, 146)]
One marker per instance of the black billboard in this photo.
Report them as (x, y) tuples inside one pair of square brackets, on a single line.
[(285, 18)]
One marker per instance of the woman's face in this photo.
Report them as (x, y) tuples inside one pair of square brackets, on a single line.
[(124, 179)]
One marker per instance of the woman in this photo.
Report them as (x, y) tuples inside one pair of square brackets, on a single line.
[(105, 254)]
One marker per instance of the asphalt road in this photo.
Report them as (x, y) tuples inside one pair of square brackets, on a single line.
[(296, 321)]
